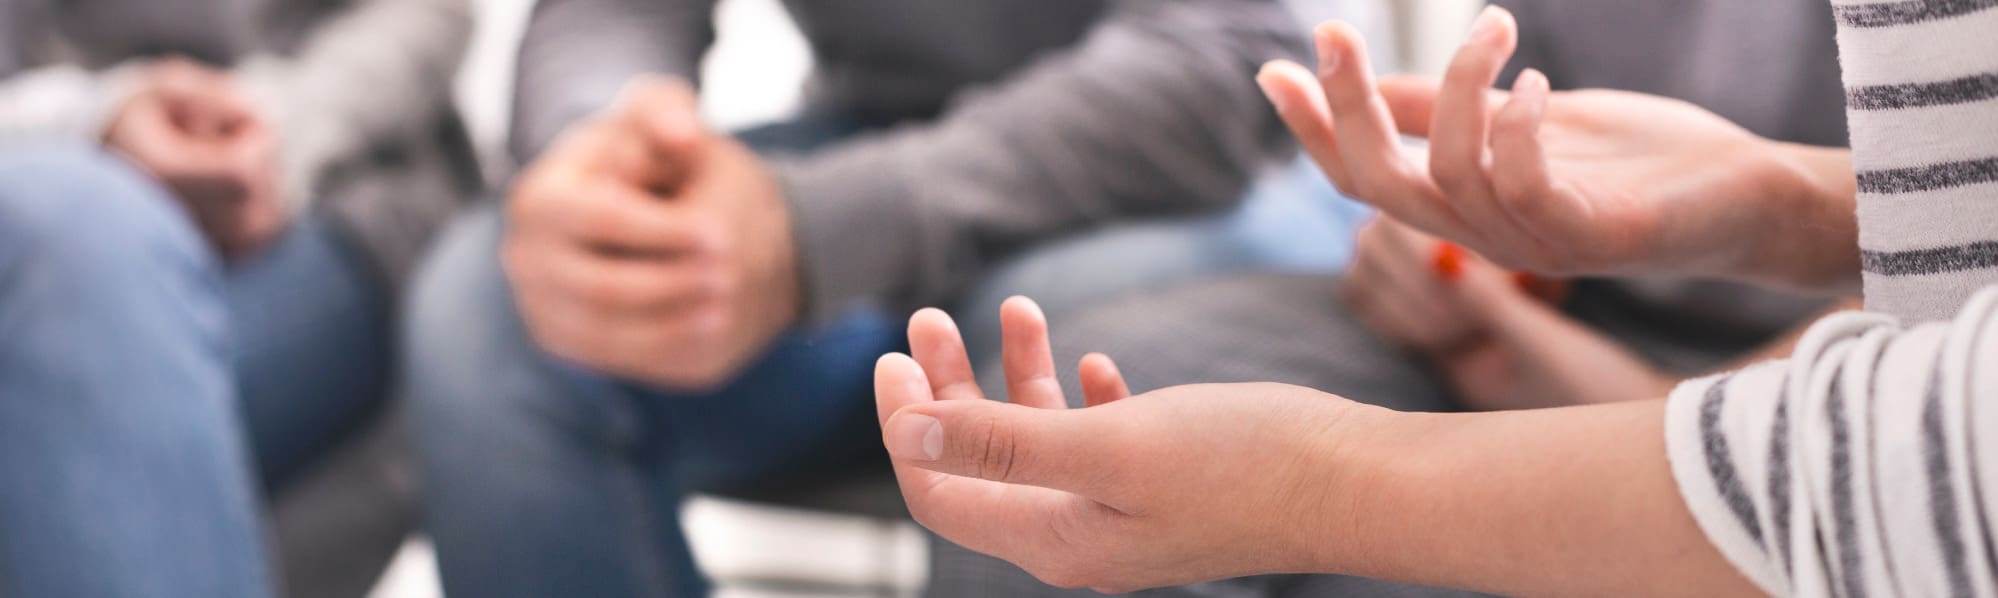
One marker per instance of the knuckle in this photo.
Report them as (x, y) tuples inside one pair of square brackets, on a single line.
[(995, 448)]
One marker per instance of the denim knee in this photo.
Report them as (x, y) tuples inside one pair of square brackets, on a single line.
[(91, 218)]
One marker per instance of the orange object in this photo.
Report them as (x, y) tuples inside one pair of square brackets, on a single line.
[(1449, 261)]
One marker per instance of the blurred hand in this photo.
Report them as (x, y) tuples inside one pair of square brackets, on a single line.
[(1175, 486), (643, 246), (196, 132), (1498, 341), (1563, 183), (1395, 289)]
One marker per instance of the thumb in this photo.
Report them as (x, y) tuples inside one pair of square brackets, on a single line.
[(1003, 442)]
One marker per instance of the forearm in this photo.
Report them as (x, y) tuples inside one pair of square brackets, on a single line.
[(1571, 501)]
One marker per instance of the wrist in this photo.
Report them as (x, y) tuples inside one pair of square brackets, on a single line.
[(1359, 469), (1809, 230)]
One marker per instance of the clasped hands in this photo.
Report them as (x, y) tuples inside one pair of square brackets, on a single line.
[(197, 133), (645, 246)]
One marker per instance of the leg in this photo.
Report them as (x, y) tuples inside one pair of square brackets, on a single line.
[(535, 483), (312, 347), (125, 472), (543, 479)]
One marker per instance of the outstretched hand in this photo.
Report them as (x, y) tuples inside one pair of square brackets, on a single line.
[(1581, 182), (1174, 486)]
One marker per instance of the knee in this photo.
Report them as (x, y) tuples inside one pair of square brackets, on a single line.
[(92, 216), (464, 350)]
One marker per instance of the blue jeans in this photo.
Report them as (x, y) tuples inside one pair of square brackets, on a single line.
[(148, 393), (543, 479)]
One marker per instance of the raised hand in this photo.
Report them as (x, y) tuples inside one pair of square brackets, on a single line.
[(1584, 182), (1174, 486), (644, 246)]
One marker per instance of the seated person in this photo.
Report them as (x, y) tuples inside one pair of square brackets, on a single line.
[(1851, 468), (193, 316), (659, 308)]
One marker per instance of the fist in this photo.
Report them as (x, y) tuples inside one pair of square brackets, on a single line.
[(197, 133), (643, 246)]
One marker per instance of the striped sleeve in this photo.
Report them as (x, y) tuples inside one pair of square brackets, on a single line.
[(1862, 466), (1921, 82)]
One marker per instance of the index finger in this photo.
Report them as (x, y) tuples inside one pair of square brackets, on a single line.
[(1368, 139)]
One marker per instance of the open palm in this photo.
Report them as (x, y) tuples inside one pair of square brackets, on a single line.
[(1579, 182)]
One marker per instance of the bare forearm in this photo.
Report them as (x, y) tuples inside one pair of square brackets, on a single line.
[(1571, 501)]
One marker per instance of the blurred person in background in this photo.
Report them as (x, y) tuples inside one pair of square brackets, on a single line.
[(659, 308), (197, 265)]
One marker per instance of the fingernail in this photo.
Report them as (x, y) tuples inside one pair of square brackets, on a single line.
[(1263, 82), (1532, 88), (1328, 52), (916, 436), (1486, 28)]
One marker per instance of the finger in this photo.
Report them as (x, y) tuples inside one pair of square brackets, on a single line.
[(937, 345), (899, 381), (1101, 381), (664, 113), (1412, 100), (1520, 177), (1457, 133), (613, 216), (979, 514), (1380, 171), (1300, 102), (1003, 442), (621, 285), (1029, 362)]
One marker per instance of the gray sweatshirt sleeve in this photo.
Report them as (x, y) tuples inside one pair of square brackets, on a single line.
[(577, 54), (1862, 466), (1155, 111), (381, 70)]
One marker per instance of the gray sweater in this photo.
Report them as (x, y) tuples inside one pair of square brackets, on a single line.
[(359, 90), (1018, 119)]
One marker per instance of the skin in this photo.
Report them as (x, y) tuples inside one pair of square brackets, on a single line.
[(1499, 345), (644, 246), (1203, 482), (196, 132), (1211, 481), (1575, 182)]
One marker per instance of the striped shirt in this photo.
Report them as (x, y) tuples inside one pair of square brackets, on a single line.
[(1853, 468)]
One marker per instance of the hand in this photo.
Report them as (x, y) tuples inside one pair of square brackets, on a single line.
[(643, 246), (1396, 288), (1567, 183), (1175, 486), (193, 130)]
